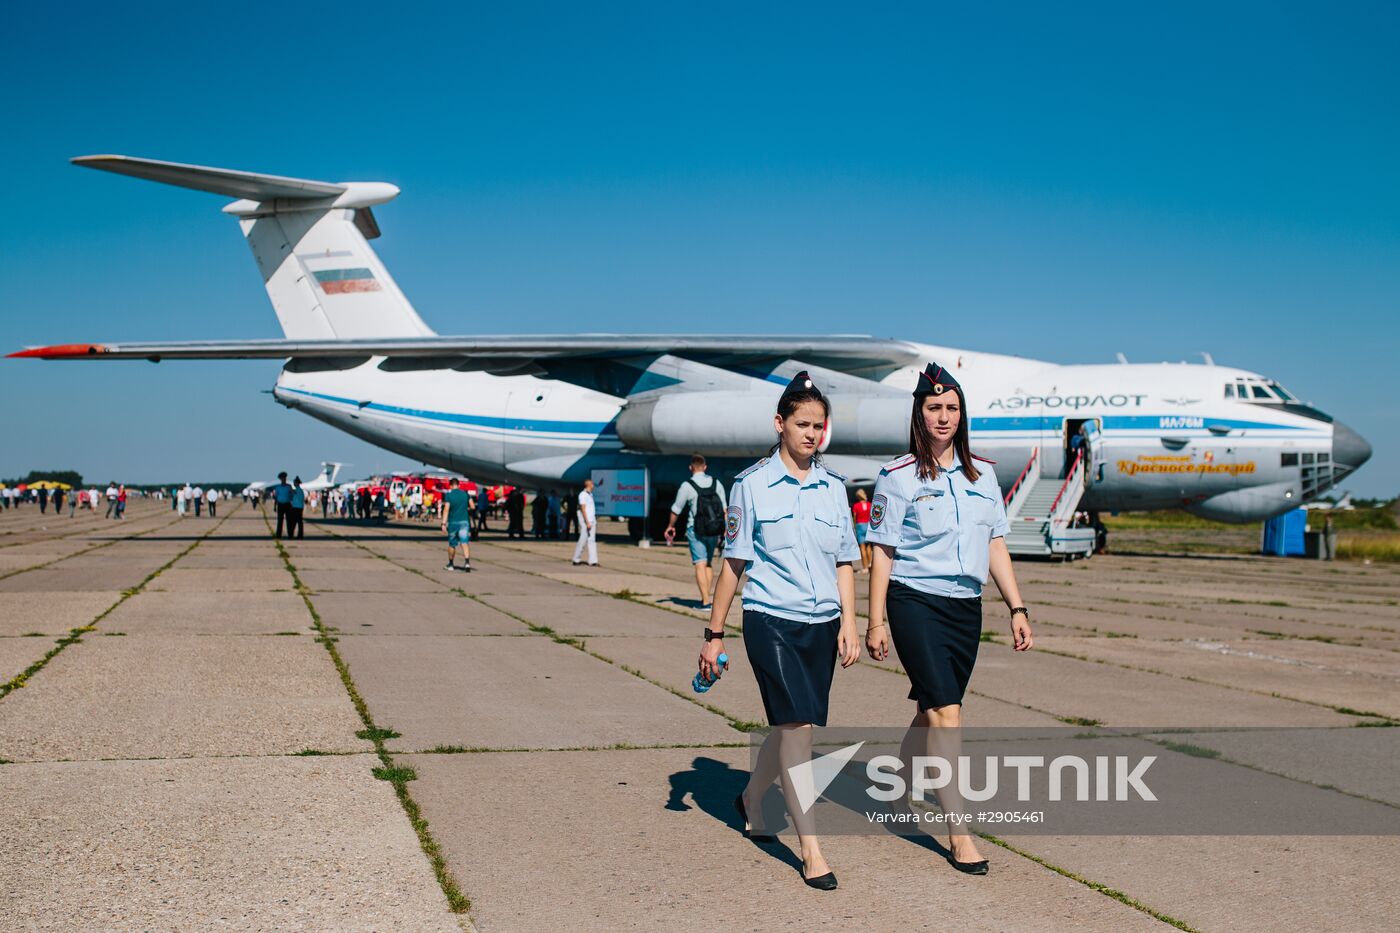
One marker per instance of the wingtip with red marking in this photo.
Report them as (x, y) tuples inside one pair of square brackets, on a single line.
[(59, 351)]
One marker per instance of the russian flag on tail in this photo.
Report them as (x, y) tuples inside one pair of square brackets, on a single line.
[(344, 281)]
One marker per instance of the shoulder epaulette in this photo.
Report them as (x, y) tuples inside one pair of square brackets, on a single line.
[(983, 459), (750, 469), (834, 475), (898, 463)]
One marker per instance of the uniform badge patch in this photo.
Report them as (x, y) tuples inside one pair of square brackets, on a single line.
[(877, 510), (732, 517)]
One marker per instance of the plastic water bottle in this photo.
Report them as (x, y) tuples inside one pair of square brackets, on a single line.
[(701, 684)]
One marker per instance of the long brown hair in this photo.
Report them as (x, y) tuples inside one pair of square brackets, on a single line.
[(921, 441)]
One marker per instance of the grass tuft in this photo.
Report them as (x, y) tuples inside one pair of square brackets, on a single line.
[(1079, 720), (1195, 751), (395, 774), (376, 734)]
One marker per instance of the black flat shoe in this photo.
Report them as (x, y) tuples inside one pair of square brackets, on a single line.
[(826, 882), (744, 815), (969, 868)]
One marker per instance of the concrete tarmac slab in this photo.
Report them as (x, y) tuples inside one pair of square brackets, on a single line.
[(1076, 620), (1117, 697), (515, 693), (1357, 761), (184, 612), (390, 580), (203, 559), (1245, 883), (1215, 623), (356, 560), (179, 696), (16, 654), (611, 581), (487, 578), (178, 579), (242, 844), (619, 831), (49, 581), (1326, 674), (51, 613), (412, 614), (587, 614)]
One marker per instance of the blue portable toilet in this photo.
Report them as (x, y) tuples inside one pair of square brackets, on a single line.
[(1283, 534)]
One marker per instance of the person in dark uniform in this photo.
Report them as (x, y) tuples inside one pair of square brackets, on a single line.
[(788, 526), (296, 508), (538, 510), (938, 524), (515, 513), (282, 496)]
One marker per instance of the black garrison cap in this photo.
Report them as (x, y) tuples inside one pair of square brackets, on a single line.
[(801, 383), (935, 380)]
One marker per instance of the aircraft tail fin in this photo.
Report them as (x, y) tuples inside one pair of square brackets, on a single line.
[(311, 243)]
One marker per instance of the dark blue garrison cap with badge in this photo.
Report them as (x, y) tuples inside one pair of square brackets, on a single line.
[(801, 383), (935, 380)]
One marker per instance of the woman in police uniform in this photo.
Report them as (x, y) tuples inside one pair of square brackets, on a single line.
[(788, 526), (938, 524)]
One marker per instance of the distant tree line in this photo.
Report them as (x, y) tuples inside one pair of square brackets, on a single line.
[(71, 477)]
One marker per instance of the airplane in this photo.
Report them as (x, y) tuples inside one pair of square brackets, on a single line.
[(325, 480), (538, 411)]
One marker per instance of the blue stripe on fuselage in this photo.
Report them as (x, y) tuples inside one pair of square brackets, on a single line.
[(1122, 423), (486, 421)]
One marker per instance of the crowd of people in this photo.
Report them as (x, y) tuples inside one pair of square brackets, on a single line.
[(111, 500)]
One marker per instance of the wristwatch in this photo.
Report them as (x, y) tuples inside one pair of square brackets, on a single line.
[(711, 635)]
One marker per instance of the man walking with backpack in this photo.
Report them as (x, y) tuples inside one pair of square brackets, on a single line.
[(704, 496)]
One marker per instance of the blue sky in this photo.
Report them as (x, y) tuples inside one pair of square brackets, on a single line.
[(1063, 182)]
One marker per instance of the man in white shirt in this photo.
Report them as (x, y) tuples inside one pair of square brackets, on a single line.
[(111, 499), (198, 498), (703, 541), (212, 497), (587, 526)]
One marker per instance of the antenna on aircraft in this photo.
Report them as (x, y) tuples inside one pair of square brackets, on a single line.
[(1210, 360), (1121, 358)]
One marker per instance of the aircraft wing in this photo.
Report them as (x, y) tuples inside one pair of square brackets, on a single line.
[(493, 352)]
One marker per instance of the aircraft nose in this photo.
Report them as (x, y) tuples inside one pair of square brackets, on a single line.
[(1349, 448)]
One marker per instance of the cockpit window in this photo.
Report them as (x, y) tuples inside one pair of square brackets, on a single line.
[(1257, 391)]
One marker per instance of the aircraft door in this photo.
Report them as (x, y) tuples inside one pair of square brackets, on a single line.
[(1083, 437), (1094, 451)]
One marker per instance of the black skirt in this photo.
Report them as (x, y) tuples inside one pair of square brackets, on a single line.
[(793, 663), (937, 638)]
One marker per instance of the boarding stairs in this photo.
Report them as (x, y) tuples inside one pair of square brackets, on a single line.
[(1040, 512)]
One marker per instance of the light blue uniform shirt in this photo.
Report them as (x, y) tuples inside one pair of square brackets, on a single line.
[(792, 534), (941, 528)]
